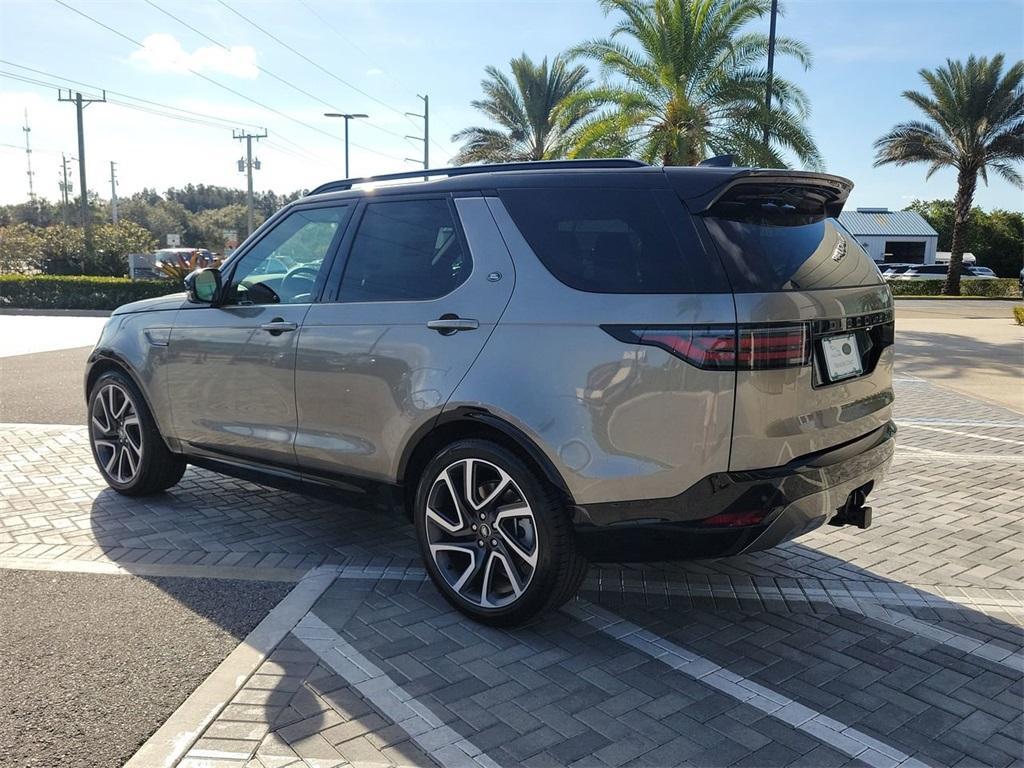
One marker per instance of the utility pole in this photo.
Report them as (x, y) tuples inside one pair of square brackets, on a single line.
[(247, 164), (347, 117), (425, 138), (113, 191), (28, 160), (65, 187), (771, 67), (80, 104)]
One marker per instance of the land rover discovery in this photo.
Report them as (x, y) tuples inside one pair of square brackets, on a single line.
[(550, 363)]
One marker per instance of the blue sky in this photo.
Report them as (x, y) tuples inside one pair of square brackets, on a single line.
[(866, 52)]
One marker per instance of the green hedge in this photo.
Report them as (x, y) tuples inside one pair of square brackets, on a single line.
[(1003, 287), (77, 291)]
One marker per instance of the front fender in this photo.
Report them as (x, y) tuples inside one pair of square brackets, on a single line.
[(136, 344)]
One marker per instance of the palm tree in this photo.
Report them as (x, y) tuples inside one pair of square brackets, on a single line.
[(975, 124), (688, 82), (531, 109)]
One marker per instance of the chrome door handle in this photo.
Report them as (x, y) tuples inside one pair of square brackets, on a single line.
[(278, 326), (450, 324)]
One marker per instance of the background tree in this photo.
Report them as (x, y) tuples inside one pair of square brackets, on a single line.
[(210, 225), (687, 82), (20, 249), (532, 111), (113, 243), (996, 237), (975, 123)]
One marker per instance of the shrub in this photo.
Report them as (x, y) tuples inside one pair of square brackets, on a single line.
[(1018, 313), (1004, 287), (77, 291)]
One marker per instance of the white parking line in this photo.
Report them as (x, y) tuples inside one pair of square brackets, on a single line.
[(905, 452), (843, 738), (966, 434), (947, 423), (980, 648), (443, 743)]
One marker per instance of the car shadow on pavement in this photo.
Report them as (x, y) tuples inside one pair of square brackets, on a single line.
[(915, 672)]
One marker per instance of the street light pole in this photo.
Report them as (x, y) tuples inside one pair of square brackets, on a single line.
[(346, 117)]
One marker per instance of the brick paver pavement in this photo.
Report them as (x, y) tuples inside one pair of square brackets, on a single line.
[(899, 645)]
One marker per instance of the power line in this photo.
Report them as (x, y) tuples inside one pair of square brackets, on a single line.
[(218, 84), (350, 42), (264, 70), (204, 115), (308, 60), (202, 120)]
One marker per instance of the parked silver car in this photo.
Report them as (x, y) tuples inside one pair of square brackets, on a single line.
[(939, 272), (548, 364)]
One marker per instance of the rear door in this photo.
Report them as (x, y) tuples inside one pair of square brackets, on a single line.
[(423, 285), (815, 319)]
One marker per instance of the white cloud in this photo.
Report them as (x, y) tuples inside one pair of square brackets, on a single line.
[(163, 53), (373, 72)]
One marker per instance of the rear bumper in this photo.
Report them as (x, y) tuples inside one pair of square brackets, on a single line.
[(795, 498)]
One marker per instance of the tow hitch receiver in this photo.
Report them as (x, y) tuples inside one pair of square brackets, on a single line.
[(853, 512)]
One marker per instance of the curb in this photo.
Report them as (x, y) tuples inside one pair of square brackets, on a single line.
[(172, 740)]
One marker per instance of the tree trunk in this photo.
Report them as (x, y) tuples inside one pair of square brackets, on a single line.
[(967, 180)]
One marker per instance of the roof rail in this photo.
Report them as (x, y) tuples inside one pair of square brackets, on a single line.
[(466, 170)]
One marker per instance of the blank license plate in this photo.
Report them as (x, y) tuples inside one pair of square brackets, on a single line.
[(842, 357)]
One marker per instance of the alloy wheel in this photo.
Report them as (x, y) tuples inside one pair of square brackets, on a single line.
[(116, 433), (481, 533)]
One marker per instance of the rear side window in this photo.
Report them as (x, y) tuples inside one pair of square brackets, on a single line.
[(780, 237), (406, 250), (614, 240)]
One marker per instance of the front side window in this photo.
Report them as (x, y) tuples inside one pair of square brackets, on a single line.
[(283, 267), (405, 250)]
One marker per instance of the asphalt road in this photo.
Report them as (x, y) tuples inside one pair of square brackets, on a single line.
[(953, 309), (43, 388), (91, 665), (973, 347)]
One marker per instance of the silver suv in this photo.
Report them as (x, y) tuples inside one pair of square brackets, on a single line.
[(549, 364)]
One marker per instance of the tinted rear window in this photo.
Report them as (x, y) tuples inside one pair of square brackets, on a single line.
[(777, 238), (615, 240)]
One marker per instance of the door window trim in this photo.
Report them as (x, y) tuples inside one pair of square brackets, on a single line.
[(229, 268), (332, 291)]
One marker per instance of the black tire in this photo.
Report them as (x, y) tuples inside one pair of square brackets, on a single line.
[(559, 568), (155, 468)]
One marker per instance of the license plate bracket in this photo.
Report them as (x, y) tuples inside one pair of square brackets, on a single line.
[(841, 354)]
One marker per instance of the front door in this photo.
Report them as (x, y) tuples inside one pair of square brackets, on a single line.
[(425, 281), (231, 368)]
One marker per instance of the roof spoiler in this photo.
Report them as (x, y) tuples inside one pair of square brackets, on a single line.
[(718, 161), (831, 190)]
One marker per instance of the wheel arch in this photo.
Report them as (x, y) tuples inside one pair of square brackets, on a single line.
[(468, 423), (104, 362)]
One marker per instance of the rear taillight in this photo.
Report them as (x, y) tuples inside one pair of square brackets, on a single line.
[(747, 348)]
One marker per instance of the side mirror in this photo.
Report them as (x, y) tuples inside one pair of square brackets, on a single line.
[(203, 286)]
